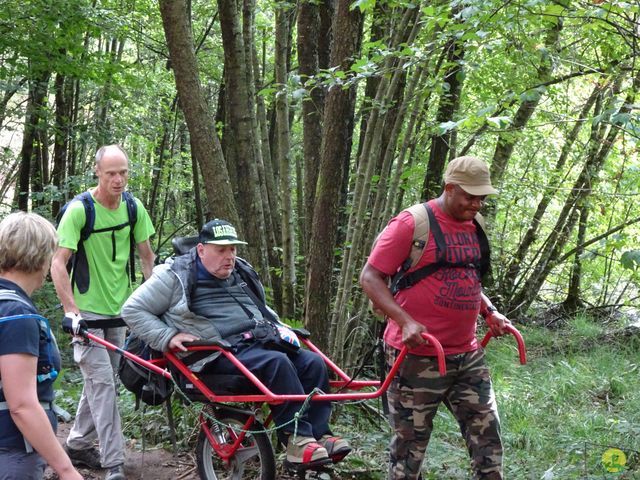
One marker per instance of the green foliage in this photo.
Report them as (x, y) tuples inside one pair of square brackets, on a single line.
[(631, 259), (576, 397), (363, 5), (128, 96)]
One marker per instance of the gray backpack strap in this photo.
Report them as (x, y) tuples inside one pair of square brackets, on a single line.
[(12, 295)]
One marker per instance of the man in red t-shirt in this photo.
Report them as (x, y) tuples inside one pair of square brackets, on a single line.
[(445, 304)]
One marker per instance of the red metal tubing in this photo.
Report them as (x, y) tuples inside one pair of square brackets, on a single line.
[(267, 395), (522, 350), (442, 364), (145, 363), (270, 397), (332, 366)]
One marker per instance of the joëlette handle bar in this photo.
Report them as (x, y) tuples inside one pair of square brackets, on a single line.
[(442, 367), (522, 351), (268, 396), (140, 361)]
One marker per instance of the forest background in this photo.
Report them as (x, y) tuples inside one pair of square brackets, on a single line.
[(310, 124)]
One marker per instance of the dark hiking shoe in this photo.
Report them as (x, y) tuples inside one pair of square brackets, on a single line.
[(88, 457), (337, 448), (116, 473)]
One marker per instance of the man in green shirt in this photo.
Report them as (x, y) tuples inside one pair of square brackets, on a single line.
[(107, 253)]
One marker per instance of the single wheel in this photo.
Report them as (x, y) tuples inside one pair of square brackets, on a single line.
[(254, 458)]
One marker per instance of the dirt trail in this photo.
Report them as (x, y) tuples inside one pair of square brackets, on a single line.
[(160, 464), (156, 464)]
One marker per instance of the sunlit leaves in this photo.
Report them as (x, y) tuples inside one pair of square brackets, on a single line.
[(446, 126), (363, 5), (499, 122), (554, 12), (630, 259)]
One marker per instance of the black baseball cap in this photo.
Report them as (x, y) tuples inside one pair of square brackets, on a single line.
[(219, 232)]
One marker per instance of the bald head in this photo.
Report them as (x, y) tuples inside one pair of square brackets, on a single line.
[(110, 150), (112, 170)]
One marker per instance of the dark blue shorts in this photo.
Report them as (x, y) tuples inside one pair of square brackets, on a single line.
[(20, 465)]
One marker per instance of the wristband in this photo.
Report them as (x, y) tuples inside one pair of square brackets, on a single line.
[(488, 311)]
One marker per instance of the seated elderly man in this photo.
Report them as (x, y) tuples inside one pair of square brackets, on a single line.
[(202, 296)]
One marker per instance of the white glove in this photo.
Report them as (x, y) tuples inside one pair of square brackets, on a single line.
[(76, 322)]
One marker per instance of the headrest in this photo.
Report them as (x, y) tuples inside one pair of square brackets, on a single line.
[(182, 245)]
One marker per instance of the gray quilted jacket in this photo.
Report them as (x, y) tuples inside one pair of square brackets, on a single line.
[(159, 308)]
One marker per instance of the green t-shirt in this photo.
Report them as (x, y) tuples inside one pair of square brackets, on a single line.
[(109, 286)]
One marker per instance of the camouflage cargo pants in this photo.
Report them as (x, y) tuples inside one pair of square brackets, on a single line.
[(466, 390)]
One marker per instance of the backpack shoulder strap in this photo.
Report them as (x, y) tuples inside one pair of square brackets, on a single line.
[(132, 209), (422, 223), (89, 214), (423, 217), (9, 295), (483, 241), (6, 294), (132, 212), (404, 280), (251, 278), (252, 286)]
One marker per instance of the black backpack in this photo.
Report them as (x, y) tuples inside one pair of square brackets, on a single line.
[(148, 386), (77, 265)]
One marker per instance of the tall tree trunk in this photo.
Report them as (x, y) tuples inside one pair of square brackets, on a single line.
[(199, 216), (441, 144), (312, 107), (406, 32), (508, 140), (384, 20), (253, 80), (382, 191), (114, 50), (204, 138), (327, 11), (162, 151), (284, 160), (395, 198), (573, 301), (269, 189), (64, 97), (242, 120), (9, 92), (36, 102), (336, 146), (40, 165)]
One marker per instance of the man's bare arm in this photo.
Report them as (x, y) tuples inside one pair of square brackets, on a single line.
[(374, 284), (61, 279), (147, 258)]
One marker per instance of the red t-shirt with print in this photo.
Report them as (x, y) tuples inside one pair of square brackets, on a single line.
[(448, 301)]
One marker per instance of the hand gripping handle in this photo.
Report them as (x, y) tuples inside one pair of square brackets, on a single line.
[(522, 350), (73, 325)]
